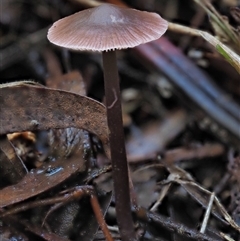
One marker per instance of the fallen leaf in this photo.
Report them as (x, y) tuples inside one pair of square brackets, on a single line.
[(27, 107), (41, 180), (64, 141)]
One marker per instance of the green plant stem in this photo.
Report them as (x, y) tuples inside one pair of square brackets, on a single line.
[(117, 146)]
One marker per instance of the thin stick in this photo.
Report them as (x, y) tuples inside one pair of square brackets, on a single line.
[(183, 29), (160, 221), (99, 216), (207, 214), (75, 194), (161, 196)]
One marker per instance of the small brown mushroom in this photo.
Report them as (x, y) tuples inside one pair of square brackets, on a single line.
[(107, 28)]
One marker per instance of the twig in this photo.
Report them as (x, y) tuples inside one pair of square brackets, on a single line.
[(207, 214), (68, 195), (99, 216), (183, 29), (159, 220), (163, 193), (226, 237)]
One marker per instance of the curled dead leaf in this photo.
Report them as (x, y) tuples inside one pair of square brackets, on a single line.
[(28, 107), (41, 180)]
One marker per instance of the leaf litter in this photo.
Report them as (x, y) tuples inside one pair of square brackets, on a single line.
[(179, 155)]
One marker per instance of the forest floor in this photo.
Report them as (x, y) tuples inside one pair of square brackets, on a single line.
[(181, 116)]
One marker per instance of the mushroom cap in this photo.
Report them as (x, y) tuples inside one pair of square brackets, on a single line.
[(107, 27)]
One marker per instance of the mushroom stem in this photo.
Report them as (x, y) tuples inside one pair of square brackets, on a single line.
[(117, 146)]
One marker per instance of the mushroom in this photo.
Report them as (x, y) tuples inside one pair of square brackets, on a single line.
[(106, 28)]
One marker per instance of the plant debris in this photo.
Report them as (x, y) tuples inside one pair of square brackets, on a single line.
[(181, 102)]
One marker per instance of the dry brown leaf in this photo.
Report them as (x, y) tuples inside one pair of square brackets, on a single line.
[(28, 107), (41, 180), (64, 141)]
